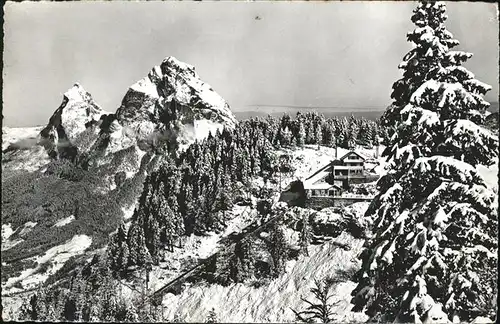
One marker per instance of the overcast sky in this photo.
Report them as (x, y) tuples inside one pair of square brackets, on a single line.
[(342, 55)]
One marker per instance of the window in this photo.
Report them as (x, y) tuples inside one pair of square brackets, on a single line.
[(313, 192), (331, 193)]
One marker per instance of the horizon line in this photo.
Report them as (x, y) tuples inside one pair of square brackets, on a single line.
[(319, 107)]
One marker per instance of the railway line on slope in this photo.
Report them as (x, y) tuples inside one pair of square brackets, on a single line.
[(248, 231)]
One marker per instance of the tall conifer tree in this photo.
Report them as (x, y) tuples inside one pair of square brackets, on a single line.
[(435, 220)]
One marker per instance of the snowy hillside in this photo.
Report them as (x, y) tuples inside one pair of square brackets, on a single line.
[(20, 151), (84, 157), (272, 301), (52, 260), (13, 135)]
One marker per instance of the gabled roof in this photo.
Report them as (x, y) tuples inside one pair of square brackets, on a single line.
[(352, 152), (323, 172)]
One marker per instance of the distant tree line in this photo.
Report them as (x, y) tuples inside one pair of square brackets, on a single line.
[(313, 128)]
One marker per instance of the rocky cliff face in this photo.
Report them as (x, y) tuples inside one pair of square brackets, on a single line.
[(77, 114), (169, 108), (171, 103)]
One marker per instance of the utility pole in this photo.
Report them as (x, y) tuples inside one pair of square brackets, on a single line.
[(280, 168), (279, 171)]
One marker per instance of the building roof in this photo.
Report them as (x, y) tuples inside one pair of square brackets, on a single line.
[(314, 181), (340, 153), (350, 152), (319, 186), (323, 171)]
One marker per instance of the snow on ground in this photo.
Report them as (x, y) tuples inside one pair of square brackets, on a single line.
[(27, 227), (272, 302), (11, 135), (11, 307), (65, 221), (195, 248), (10, 244), (327, 215), (371, 153), (128, 212), (330, 215), (6, 232), (57, 256), (244, 215), (358, 208), (490, 174), (310, 159)]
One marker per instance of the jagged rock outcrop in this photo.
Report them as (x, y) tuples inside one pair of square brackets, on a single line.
[(167, 110), (72, 128), (171, 104)]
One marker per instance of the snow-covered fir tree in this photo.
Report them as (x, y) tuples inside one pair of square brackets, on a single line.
[(301, 134), (286, 138), (118, 249), (425, 61), (277, 250), (212, 317), (435, 220)]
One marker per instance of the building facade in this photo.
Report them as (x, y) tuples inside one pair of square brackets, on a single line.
[(326, 186), (338, 175), (349, 169)]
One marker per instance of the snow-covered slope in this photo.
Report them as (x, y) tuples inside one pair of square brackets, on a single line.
[(20, 151), (241, 303), (53, 259)]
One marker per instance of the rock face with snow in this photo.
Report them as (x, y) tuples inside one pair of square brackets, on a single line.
[(169, 108), (171, 104), (77, 113)]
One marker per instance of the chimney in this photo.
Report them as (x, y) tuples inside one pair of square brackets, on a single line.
[(376, 151), (336, 151)]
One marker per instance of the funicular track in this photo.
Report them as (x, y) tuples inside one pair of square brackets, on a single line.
[(248, 231)]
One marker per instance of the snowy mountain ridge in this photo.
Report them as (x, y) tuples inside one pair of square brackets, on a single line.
[(170, 102), (77, 112)]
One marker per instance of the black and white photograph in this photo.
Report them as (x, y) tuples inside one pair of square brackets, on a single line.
[(250, 161)]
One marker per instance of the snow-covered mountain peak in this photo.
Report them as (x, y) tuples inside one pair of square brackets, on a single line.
[(170, 107), (176, 81), (77, 93), (77, 112), (173, 98)]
